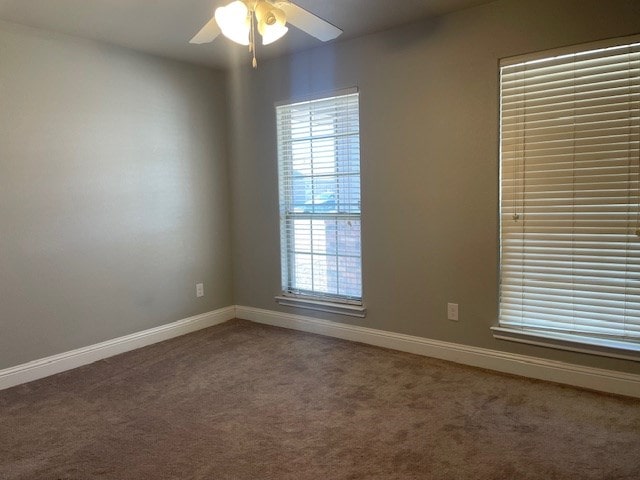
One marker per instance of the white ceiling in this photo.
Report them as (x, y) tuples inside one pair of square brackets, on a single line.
[(164, 27)]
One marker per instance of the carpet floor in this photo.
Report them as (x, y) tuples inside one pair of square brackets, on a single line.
[(246, 401)]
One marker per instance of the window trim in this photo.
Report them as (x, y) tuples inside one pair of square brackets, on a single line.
[(312, 303), (342, 305), (579, 342), (604, 347)]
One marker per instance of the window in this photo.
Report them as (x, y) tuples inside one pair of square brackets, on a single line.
[(319, 175), (570, 219)]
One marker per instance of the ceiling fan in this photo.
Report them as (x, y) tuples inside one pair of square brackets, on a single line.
[(240, 19)]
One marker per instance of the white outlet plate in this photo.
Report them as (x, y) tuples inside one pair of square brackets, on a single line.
[(199, 290), (452, 311)]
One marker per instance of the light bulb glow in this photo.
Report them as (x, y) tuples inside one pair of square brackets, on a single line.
[(275, 29), (271, 33), (279, 15), (234, 21)]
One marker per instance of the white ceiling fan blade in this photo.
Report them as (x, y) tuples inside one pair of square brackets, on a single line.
[(207, 33), (308, 22)]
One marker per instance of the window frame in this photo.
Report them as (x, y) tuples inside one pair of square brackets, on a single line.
[(622, 348), (300, 297)]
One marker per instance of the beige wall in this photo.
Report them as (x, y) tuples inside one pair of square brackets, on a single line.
[(429, 140), (114, 193)]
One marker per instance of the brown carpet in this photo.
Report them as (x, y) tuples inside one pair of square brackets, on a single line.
[(245, 401)]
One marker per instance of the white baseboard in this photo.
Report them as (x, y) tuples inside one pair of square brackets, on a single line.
[(533, 367), (527, 366), (44, 367)]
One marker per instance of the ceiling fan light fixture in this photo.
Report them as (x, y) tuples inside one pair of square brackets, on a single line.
[(271, 33), (271, 22), (234, 21), (240, 19), (264, 13), (279, 15)]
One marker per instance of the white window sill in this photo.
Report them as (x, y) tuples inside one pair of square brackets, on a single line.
[(323, 306), (575, 343)]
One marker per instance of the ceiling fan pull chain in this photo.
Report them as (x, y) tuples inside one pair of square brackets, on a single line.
[(252, 41)]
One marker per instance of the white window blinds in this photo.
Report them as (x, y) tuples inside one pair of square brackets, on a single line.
[(570, 246), (319, 174)]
